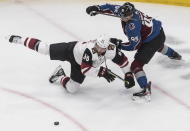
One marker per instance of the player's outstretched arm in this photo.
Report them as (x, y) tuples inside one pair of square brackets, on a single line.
[(31, 43), (102, 9)]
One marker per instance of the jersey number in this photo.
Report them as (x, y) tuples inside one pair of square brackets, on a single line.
[(86, 57)]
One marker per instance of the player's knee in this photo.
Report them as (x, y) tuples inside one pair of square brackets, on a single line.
[(72, 86), (136, 66), (163, 49)]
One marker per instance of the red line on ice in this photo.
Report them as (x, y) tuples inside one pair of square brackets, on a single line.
[(58, 26), (174, 98), (67, 116), (177, 100)]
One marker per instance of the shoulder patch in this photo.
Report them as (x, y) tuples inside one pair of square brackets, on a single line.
[(131, 26)]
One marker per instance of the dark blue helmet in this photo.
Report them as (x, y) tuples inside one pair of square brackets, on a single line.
[(126, 9)]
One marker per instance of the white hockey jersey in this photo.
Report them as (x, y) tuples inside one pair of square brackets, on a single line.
[(89, 60), (84, 54)]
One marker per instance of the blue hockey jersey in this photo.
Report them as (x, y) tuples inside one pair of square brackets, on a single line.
[(139, 30)]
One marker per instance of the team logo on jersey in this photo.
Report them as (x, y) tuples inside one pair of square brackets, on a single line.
[(86, 57), (131, 26)]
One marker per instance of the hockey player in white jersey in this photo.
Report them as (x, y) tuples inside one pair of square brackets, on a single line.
[(85, 59)]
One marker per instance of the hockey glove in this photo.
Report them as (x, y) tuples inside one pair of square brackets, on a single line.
[(103, 72), (116, 42), (93, 10), (129, 80)]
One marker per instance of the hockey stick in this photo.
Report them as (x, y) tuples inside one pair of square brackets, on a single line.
[(119, 77), (108, 14), (115, 16), (109, 71)]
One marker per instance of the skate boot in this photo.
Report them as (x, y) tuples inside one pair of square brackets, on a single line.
[(176, 56), (15, 39), (56, 74), (144, 94)]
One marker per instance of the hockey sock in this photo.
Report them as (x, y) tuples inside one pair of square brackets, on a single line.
[(137, 69), (64, 80), (32, 43), (141, 79), (167, 51)]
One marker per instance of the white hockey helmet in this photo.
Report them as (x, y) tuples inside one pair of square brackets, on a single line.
[(103, 41)]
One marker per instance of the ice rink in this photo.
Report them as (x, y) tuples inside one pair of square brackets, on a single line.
[(28, 102)]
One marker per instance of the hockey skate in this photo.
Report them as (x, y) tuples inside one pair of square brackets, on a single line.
[(143, 94), (176, 56), (14, 39), (56, 74)]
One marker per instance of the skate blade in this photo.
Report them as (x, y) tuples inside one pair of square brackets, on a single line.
[(143, 99), (53, 77)]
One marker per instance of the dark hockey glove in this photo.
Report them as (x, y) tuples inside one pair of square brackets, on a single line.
[(93, 10), (103, 72), (129, 80), (116, 42)]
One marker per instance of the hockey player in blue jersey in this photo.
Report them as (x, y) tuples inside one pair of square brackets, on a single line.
[(145, 34)]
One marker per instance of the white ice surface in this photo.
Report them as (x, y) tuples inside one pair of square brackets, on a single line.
[(29, 103)]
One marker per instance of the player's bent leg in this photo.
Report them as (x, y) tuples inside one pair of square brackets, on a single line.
[(145, 92), (70, 85), (172, 54), (137, 69), (59, 77)]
